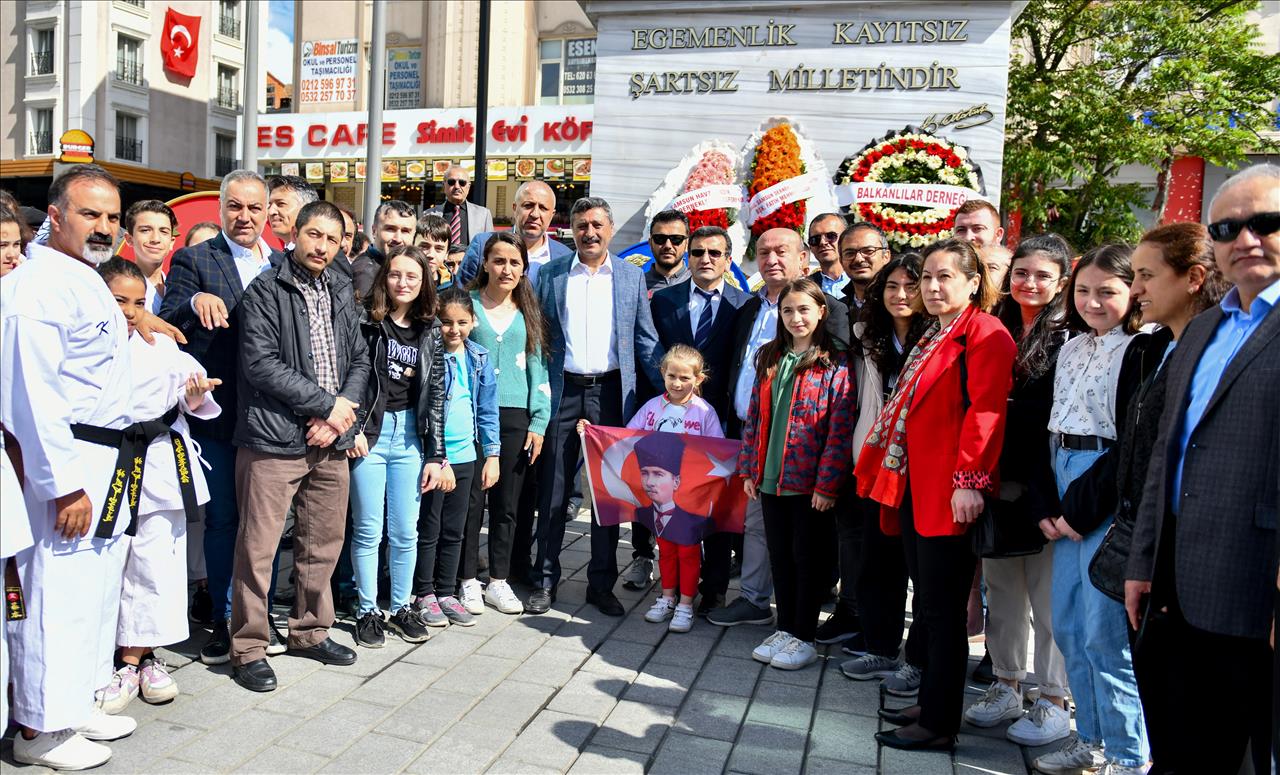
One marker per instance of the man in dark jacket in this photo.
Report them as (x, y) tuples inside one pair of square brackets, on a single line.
[(303, 370), (394, 224)]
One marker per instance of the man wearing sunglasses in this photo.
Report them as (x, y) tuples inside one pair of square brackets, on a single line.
[(465, 219), (824, 243), (1202, 566), (668, 239)]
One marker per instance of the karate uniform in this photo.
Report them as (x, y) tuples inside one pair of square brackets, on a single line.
[(15, 535), (153, 599), (64, 359)]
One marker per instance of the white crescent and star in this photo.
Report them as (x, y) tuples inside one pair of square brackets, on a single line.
[(611, 460), (173, 33)]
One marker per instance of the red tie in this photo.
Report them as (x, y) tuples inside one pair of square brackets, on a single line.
[(455, 230)]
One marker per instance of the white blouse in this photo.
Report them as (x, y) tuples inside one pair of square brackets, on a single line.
[(1086, 382)]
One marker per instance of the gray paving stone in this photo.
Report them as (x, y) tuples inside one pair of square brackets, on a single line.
[(767, 750), (597, 760), (845, 695), (446, 648), (509, 706), (426, 716), (739, 641), (464, 748), (633, 726), (235, 738), (782, 705), (806, 676), (283, 760), (659, 684), (816, 765), (164, 766), (151, 740), (371, 661), (588, 632), (396, 684), (712, 715), (197, 677), (551, 621), (975, 753), (552, 665), (688, 649), (689, 755), (729, 675), (374, 754), (489, 623), (331, 732), (212, 707), (843, 737), (551, 740), (309, 697), (636, 629), (475, 674), (589, 696), (506, 765), (894, 762), (513, 642), (618, 659)]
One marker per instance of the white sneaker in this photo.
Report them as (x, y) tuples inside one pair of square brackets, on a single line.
[(682, 620), (1045, 723), (662, 609), (471, 595), (1073, 758), (1115, 768), (103, 727), (61, 750), (795, 655), (116, 696), (500, 595), (1001, 702), (766, 651)]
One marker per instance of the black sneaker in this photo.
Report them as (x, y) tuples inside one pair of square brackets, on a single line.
[(409, 625), (740, 611), (709, 603), (841, 626), (369, 630), (201, 606), (218, 650), (855, 646)]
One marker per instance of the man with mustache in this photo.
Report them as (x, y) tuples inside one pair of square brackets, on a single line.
[(64, 371), (532, 211), (464, 218), (864, 249), (668, 241)]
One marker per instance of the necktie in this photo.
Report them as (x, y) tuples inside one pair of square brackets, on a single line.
[(703, 331), (455, 229), (660, 520)]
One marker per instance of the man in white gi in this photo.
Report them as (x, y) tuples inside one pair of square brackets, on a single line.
[(65, 361)]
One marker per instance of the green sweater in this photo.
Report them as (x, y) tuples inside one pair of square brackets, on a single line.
[(523, 382)]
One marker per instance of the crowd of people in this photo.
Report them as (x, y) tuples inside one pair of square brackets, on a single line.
[(1085, 447)]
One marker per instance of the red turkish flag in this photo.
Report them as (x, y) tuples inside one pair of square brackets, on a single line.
[(181, 34)]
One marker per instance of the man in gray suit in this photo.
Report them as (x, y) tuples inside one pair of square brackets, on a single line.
[(532, 209), (1202, 567), (599, 329), (465, 219)]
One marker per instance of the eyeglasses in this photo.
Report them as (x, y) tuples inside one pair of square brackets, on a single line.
[(1024, 277), (700, 252), (817, 239), (1260, 224), (456, 182), (867, 253), (663, 239)]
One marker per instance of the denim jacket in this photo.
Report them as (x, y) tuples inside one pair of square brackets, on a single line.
[(484, 398)]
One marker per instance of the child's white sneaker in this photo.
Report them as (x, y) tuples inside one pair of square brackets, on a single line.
[(682, 620), (662, 609)]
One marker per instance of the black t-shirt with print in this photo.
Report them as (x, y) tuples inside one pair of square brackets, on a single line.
[(402, 366)]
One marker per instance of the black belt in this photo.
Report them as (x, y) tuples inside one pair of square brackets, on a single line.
[(1072, 441), (591, 380), (131, 462)]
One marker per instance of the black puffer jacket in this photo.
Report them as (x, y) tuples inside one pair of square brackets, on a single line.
[(278, 389), (430, 384)]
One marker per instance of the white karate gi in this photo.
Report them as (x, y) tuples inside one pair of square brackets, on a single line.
[(153, 599), (15, 535), (64, 358)]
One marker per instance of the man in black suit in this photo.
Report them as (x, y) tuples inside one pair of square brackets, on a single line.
[(781, 257), (1202, 565), (205, 284)]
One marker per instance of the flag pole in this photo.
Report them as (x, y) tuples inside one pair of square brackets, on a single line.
[(249, 115), (373, 157)]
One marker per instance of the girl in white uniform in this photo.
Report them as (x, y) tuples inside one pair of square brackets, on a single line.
[(153, 603)]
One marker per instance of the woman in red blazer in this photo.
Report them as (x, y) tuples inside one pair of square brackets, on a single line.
[(929, 459)]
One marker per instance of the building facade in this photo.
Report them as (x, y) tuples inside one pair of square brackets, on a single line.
[(98, 67)]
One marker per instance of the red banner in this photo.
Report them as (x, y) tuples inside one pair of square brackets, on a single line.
[(179, 44), (681, 487)]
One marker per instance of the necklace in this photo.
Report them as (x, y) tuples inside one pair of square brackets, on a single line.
[(484, 292)]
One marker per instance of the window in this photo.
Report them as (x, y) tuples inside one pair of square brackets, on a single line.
[(129, 60), (549, 56), (566, 71), (224, 154), (42, 131), (229, 18), (42, 51), (128, 146), (228, 93)]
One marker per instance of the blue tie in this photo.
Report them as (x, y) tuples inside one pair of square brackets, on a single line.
[(703, 332)]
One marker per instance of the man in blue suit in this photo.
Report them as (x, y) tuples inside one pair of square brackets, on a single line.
[(532, 210), (204, 288), (599, 329)]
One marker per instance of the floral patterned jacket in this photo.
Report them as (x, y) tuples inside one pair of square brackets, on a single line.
[(818, 455)]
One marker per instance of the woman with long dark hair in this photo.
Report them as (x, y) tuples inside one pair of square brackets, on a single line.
[(508, 325), (929, 459), (1019, 586)]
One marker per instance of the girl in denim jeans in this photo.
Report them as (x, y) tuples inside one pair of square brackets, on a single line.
[(470, 419)]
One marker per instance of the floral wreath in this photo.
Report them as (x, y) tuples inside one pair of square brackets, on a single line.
[(910, 155)]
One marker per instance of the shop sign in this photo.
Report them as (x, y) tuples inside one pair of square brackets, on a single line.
[(541, 130), (580, 67), (76, 147), (404, 78), (328, 71)]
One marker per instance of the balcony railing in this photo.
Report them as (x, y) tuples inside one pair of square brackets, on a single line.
[(228, 97), (223, 165), (128, 149), (41, 143), (229, 26), (129, 72), (41, 62)]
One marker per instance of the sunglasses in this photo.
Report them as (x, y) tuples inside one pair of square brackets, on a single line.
[(817, 239), (456, 182), (1260, 224), (700, 252), (663, 239)]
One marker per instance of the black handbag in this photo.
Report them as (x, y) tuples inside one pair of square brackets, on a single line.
[(1109, 563), (1004, 530)]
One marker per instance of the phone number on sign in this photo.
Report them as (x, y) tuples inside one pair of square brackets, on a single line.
[(327, 89)]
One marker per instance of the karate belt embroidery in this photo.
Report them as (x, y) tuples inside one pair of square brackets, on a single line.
[(15, 607), (131, 462)]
